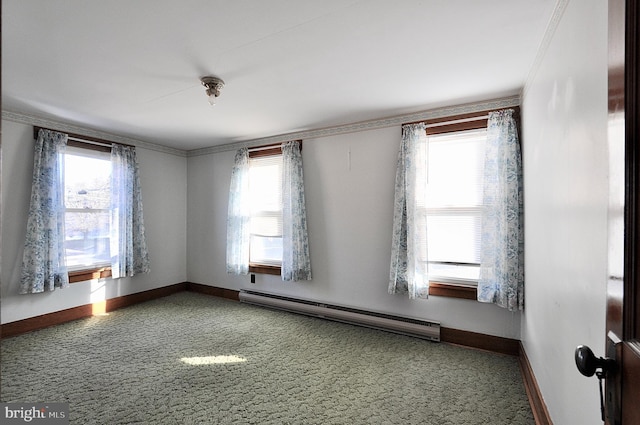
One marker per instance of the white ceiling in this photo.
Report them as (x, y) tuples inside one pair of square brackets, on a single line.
[(133, 68)]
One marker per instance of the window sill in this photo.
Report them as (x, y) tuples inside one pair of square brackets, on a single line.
[(440, 289), (83, 275), (263, 269)]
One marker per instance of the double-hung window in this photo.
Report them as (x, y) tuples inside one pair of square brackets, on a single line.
[(265, 188), (85, 216), (266, 222), (87, 197), (454, 205), (458, 208), (104, 224), (265, 173)]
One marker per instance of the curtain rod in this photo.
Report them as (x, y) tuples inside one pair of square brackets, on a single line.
[(80, 138), (89, 142), (271, 146), (440, 124), (263, 148), (470, 117)]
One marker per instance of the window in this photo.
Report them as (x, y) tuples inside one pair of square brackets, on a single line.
[(92, 225), (451, 224), (87, 209), (265, 187), (266, 222), (454, 205)]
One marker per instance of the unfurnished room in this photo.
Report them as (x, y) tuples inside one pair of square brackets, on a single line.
[(320, 212)]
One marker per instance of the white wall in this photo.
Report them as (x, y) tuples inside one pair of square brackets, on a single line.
[(566, 194), (164, 183), (349, 215)]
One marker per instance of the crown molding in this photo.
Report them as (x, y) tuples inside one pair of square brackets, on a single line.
[(65, 127), (394, 121), (552, 26)]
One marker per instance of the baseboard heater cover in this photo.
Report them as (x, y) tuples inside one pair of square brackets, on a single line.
[(407, 326)]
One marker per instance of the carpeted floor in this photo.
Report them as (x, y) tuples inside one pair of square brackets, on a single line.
[(195, 359)]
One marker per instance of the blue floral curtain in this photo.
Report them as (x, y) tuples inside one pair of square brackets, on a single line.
[(238, 216), (296, 262), (129, 255), (408, 273), (502, 241), (43, 261)]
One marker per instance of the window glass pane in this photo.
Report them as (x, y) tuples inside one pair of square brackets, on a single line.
[(456, 162), (267, 223), (454, 272), (453, 204), (265, 250), (265, 182), (87, 239), (454, 237), (87, 202), (87, 180)]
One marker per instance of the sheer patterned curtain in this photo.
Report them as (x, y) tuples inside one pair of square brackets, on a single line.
[(129, 255), (408, 274), (502, 241), (239, 216), (296, 262), (43, 262)]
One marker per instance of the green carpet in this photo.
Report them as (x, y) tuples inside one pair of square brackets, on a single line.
[(196, 359)]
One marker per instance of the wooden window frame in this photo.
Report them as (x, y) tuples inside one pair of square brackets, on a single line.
[(89, 274), (264, 269), (451, 290), (454, 124)]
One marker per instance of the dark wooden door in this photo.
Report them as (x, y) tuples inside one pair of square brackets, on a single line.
[(622, 383)]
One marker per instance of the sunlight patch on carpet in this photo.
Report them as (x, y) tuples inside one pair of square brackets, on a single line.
[(205, 360)]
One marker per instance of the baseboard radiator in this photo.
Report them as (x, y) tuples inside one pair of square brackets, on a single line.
[(402, 325)]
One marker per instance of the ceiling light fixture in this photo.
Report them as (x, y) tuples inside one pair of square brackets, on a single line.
[(213, 86)]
